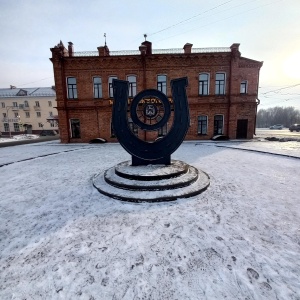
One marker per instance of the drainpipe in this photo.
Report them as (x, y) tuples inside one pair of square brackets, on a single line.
[(229, 98), (257, 103), (64, 90)]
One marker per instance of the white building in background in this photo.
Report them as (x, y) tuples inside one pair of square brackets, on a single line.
[(27, 110)]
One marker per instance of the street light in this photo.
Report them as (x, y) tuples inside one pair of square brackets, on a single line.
[(7, 109)]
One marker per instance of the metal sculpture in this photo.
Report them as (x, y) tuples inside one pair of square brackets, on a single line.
[(149, 117)]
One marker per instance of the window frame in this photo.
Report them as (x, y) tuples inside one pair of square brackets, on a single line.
[(6, 127), (3, 104), (27, 114), (202, 85), (49, 103), (97, 88), (72, 88), (16, 127), (219, 85), (161, 85), (133, 127), (110, 87), (132, 85), (216, 124), (201, 125), (244, 87), (38, 114), (72, 130)]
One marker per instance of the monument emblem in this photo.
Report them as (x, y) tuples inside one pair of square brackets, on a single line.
[(151, 176)]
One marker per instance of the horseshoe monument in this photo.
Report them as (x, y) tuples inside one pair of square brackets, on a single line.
[(151, 175)]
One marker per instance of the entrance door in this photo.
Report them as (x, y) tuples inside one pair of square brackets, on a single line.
[(242, 128)]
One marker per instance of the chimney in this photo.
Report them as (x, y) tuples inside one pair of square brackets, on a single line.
[(12, 87), (235, 50), (103, 51), (143, 50), (71, 49), (187, 48), (149, 47)]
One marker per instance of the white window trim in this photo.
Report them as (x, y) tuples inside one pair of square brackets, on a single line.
[(208, 84), (225, 79)]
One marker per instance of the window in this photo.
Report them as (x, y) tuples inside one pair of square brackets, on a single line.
[(50, 103), (6, 127), (38, 114), (162, 83), (52, 124), (72, 88), (37, 103), (220, 84), (4, 115), (218, 124), (162, 131), (203, 84), (133, 127), (75, 128), (202, 124), (97, 87), (50, 114), (41, 125), (26, 103), (243, 88), (15, 104), (2, 104), (132, 85), (27, 114), (16, 127), (16, 115), (112, 132), (110, 87)]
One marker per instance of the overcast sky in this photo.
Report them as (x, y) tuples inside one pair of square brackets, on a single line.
[(268, 31)]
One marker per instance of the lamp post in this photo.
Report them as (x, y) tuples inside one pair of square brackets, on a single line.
[(7, 109)]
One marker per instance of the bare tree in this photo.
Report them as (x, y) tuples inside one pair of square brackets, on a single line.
[(277, 115)]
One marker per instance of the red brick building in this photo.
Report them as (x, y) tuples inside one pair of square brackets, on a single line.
[(222, 90)]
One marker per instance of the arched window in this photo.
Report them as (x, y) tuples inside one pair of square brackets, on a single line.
[(202, 124), (203, 84), (218, 124), (132, 85), (220, 84), (97, 87)]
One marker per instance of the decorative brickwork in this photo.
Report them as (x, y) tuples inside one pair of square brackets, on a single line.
[(232, 113)]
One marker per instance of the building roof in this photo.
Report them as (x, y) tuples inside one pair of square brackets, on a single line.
[(27, 92)]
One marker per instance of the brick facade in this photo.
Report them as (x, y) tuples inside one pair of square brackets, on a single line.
[(235, 109)]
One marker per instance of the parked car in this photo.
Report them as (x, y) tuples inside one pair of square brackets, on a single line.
[(294, 127), (277, 126)]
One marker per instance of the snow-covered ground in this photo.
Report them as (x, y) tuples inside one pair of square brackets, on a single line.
[(61, 239), (18, 137)]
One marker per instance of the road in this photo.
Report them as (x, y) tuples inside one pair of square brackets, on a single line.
[(266, 132)]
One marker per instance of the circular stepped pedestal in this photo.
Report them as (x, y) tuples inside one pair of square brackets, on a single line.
[(152, 183)]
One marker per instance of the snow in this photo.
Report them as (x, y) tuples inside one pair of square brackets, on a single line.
[(61, 239), (19, 137)]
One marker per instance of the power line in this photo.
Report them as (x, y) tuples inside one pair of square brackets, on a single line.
[(243, 12), (284, 88), (188, 19), (35, 81)]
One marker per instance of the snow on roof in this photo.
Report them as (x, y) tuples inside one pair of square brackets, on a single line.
[(31, 92)]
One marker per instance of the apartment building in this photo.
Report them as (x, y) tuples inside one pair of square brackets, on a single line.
[(222, 90), (27, 110)]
